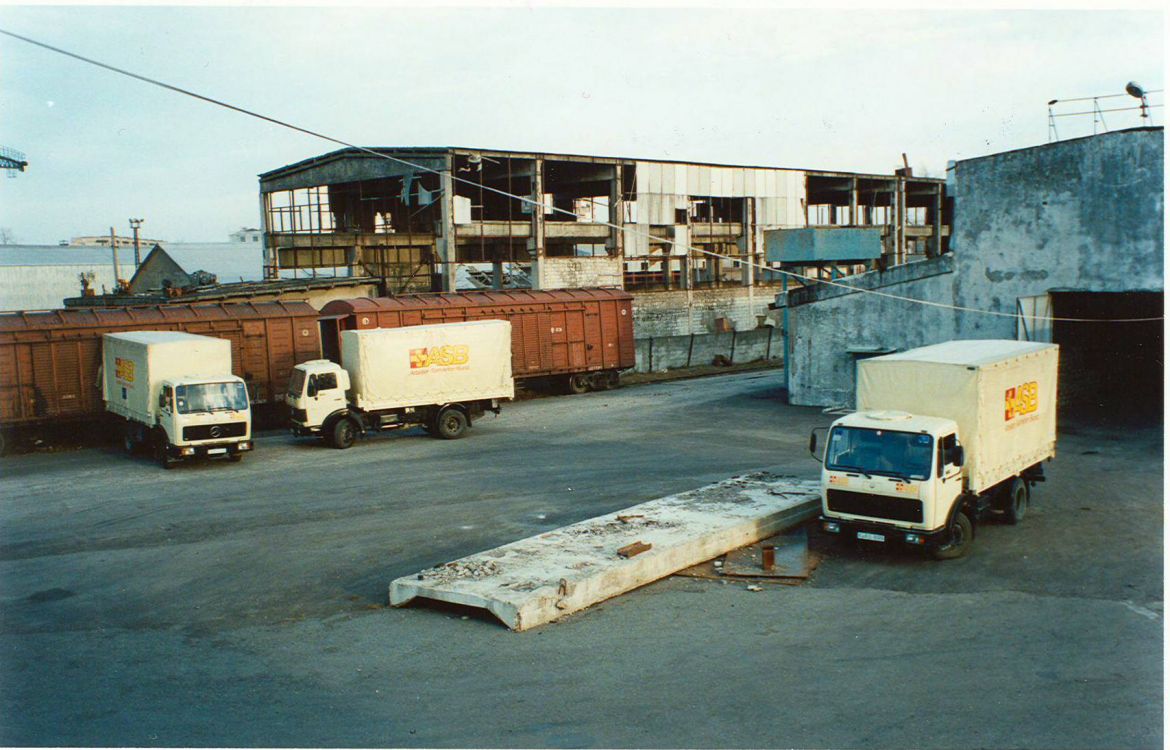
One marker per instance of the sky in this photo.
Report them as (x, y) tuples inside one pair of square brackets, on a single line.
[(841, 89)]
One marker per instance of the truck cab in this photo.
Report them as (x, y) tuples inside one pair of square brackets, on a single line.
[(316, 392), (208, 416), (892, 476)]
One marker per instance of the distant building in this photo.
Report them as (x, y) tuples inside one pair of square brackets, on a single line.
[(247, 235), (103, 240)]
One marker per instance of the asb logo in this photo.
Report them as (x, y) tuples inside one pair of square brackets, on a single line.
[(439, 356), (124, 369), (1021, 400)]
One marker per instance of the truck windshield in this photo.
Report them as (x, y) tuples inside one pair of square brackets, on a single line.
[(296, 383), (211, 397), (885, 452)]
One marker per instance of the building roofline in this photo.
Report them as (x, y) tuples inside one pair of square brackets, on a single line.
[(433, 151), (1062, 142)]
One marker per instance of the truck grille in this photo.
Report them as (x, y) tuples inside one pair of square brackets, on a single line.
[(875, 506), (215, 431)]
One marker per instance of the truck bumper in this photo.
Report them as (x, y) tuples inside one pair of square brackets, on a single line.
[(874, 531), (210, 450)]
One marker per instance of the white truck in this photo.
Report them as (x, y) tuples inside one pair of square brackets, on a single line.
[(177, 393), (442, 377), (943, 435)]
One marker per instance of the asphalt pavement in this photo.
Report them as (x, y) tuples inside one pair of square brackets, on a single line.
[(245, 604)]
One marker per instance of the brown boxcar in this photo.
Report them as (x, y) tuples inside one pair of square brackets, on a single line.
[(581, 337), (49, 360)]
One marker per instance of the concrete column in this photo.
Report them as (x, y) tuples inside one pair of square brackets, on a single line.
[(536, 243), (853, 203), (750, 242), (271, 257), (936, 223), (445, 243), (617, 215), (680, 249)]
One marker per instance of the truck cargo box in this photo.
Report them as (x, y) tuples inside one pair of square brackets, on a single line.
[(424, 365), (1002, 394), (135, 363)]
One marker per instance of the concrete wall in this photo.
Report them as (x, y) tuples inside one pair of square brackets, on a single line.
[(572, 273), (1084, 214), (661, 353), (681, 313), (46, 287)]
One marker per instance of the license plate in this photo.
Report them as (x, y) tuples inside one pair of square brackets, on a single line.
[(213, 451), (870, 537)]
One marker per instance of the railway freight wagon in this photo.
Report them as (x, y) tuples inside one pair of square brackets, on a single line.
[(579, 338), (50, 361)]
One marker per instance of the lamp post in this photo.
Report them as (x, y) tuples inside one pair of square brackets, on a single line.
[(135, 223)]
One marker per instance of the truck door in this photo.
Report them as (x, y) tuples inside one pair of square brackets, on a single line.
[(950, 477)]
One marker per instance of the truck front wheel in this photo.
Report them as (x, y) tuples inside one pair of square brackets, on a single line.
[(451, 424), (343, 434), (1017, 502), (958, 538), (162, 455)]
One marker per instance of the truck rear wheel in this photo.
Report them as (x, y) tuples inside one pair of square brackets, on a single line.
[(1016, 502), (960, 533), (451, 424), (343, 434)]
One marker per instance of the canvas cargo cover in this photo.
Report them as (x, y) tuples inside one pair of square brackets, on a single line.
[(1002, 394), (435, 364), (135, 363)]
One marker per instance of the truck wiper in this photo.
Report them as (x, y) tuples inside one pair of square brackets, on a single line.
[(854, 468)]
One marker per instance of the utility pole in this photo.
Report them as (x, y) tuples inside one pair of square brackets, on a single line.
[(114, 249), (135, 223)]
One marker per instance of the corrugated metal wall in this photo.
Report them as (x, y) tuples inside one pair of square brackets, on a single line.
[(663, 188), (45, 287)]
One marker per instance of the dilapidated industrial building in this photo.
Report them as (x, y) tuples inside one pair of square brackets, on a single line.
[(1049, 242), (688, 239)]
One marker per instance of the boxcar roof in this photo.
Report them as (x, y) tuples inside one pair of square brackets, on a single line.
[(470, 299), (71, 318)]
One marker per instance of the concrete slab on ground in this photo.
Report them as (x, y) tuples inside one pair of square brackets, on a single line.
[(545, 577)]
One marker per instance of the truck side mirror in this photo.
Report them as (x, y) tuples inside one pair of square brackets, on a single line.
[(957, 455), (812, 443), (162, 399), (312, 390)]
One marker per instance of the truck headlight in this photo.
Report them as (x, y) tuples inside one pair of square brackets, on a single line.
[(187, 451), (914, 539), (831, 527)]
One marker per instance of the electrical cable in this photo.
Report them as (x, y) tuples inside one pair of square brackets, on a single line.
[(373, 152)]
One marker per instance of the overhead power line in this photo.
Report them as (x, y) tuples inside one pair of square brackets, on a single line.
[(530, 200)]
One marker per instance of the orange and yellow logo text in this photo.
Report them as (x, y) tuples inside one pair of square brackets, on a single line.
[(439, 356), (124, 369), (1021, 400)]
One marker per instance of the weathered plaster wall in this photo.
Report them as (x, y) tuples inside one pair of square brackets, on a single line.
[(1084, 214), (681, 313)]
